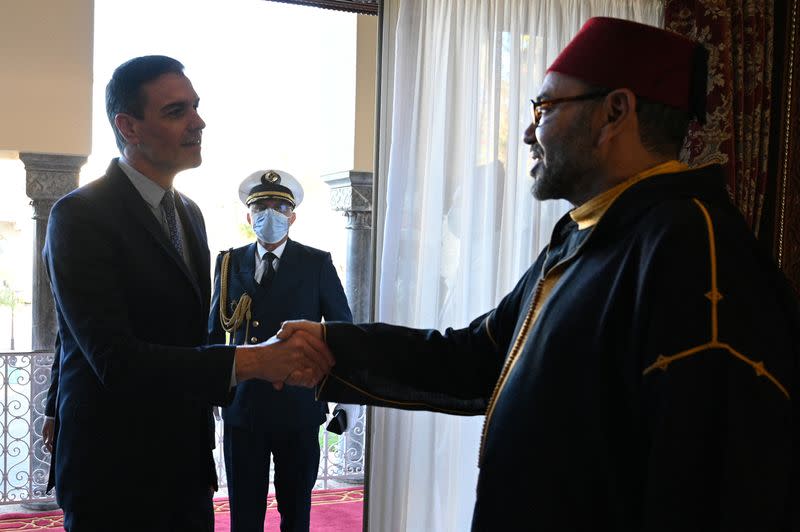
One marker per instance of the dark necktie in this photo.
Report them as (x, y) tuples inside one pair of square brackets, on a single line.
[(269, 271), (168, 204)]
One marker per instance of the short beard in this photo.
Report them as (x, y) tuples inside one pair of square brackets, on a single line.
[(568, 165)]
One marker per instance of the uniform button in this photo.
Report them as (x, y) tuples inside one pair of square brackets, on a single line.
[(253, 340), (255, 323)]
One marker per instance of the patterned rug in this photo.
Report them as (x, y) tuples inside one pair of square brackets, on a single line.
[(331, 511)]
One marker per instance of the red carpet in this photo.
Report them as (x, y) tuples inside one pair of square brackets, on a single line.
[(331, 511)]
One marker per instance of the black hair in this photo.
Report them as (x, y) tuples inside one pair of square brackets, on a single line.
[(662, 129), (124, 90)]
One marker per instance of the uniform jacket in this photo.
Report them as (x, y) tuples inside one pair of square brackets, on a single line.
[(305, 286), (135, 383), (654, 390)]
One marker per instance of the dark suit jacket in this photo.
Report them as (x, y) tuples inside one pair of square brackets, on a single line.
[(135, 379), (52, 390), (305, 286)]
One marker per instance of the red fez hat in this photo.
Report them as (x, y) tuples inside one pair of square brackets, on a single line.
[(657, 65)]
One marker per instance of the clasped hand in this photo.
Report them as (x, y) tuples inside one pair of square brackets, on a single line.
[(297, 355)]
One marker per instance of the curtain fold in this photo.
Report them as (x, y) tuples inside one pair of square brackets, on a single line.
[(739, 37), (457, 225)]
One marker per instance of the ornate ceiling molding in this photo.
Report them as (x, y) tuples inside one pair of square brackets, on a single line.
[(362, 7)]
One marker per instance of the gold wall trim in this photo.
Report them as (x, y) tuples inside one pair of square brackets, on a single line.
[(786, 199), (787, 139)]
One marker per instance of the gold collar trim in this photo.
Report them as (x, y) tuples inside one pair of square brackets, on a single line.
[(270, 194), (588, 214)]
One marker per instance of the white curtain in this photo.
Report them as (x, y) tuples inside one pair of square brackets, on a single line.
[(456, 220)]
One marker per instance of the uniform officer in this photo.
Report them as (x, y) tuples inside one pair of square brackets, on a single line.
[(257, 287)]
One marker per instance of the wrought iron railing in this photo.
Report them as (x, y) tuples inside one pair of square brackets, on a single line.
[(341, 458), (25, 463)]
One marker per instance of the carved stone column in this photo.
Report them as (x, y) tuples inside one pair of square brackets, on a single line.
[(48, 177), (351, 194)]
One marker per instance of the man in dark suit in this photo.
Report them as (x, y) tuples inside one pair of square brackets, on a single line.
[(257, 287), (129, 269)]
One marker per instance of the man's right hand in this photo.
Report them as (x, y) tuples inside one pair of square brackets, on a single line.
[(289, 328), (301, 360)]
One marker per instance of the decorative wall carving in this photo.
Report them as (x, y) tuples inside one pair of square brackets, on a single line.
[(50, 176), (350, 191), (359, 220)]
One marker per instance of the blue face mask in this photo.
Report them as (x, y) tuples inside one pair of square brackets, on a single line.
[(270, 226)]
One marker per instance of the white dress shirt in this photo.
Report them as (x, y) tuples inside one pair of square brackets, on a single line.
[(152, 193)]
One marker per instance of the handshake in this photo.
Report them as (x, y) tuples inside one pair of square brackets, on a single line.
[(297, 355)]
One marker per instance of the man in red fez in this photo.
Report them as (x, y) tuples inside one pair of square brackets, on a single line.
[(642, 374)]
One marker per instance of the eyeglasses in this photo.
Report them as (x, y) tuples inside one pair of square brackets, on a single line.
[(276, 205), (537, 108)]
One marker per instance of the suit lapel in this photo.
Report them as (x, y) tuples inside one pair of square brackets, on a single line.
[(143, 216)]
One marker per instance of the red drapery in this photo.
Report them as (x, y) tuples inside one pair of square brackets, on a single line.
[(739, 37)]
